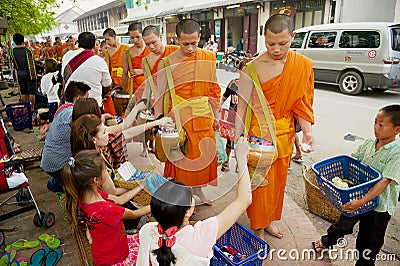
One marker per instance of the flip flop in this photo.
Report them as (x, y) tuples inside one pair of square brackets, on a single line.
[(297, 160), (50, 240), (23, 244), (38, 256), (16, 263), (53, 257), (318, 246), (5, 259), (22, 261)]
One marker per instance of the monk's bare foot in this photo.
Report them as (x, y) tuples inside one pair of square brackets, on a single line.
[(274, 231), (199, 193), (260, 233)]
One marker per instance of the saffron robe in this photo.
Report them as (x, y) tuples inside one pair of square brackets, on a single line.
[(138, 79), (115, 66), (195, 78), (288, 94), (169, 49)]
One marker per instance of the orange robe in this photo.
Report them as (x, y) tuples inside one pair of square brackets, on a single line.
[(115, 66), (138, 79), (290, 93), (196, 77), (60, 50), (169, 49)]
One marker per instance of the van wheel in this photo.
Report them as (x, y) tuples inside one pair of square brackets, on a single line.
[(351, 83)]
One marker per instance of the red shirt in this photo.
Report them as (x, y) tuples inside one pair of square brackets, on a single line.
[(109, 240)]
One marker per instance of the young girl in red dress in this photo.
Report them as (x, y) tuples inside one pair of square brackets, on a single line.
[(83, 177)]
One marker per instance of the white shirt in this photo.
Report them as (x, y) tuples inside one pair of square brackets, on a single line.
[(48, 88), (93, 72), (193, 244)]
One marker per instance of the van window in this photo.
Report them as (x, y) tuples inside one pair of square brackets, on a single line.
[(359, 39), (298, 40), (322, 39), (395, 39)]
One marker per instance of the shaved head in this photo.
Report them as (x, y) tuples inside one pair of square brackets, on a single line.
[(149, 30), (278, 23), (135, 27), (187, 26)]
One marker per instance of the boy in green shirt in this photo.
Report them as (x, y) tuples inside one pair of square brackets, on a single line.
[(382, 153)]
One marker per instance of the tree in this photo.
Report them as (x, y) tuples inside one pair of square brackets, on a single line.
[(28, 16)]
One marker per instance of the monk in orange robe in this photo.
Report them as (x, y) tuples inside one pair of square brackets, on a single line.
[(133, 70), (114, 56), (198, 94), (59, 47), (153, 42), (287, 82)]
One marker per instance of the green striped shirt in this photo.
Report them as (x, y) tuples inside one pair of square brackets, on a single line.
[(387, 161)]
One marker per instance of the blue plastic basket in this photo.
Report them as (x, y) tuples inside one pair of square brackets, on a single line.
[(20, 115), (346, 167), (243, 241)]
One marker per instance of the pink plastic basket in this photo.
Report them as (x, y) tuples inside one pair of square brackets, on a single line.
[(227, 124)]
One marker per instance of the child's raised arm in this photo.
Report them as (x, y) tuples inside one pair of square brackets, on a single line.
[(233, 211)]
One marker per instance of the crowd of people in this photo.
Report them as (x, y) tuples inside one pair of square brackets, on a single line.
[(177, 85)]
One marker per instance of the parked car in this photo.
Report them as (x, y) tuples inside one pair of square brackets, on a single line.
[(355, 56)]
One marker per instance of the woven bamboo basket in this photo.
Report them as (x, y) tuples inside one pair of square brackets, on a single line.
[(143, 197), (316, 202)]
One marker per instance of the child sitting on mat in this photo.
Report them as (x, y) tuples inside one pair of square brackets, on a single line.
[(172, 240), (382, 153), (83, 176)]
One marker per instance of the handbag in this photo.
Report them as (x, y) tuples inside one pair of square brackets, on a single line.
[(173, 147), (260, 157)]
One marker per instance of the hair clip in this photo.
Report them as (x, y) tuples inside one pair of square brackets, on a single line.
[(71, 162)]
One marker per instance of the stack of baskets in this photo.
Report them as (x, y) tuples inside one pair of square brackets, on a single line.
[(316, 202)]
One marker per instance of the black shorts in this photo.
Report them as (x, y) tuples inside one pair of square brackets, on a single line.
[(297, 126), (230, 144), (26, 85)]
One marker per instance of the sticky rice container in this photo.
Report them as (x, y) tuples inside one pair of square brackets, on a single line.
[(260, 155)]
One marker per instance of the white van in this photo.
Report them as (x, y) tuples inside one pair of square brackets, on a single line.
[(355, 56)]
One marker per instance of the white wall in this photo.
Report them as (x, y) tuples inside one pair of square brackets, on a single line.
[(262, 18), (367, 10)]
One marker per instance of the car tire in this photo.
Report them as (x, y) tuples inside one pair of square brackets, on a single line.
[(351, 83)]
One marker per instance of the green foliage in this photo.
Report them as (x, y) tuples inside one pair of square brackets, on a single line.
[(28, 16)]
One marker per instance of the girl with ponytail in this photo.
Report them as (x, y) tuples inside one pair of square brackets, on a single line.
[(83, 176), (172, 240)]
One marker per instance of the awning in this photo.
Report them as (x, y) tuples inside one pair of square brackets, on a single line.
[(221, 3), (148, 14), (169, 12)]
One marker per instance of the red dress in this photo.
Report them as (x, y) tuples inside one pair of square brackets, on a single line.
[(109, 239)]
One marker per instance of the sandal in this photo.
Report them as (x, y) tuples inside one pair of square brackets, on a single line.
[(50, 240), (298, 160), (318, 246), (23, 244), (225, 167)]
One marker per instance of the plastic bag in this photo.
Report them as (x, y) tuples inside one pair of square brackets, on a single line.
[(221, 152), (154, 181)]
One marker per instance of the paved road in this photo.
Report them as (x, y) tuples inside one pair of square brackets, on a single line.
[(336, 115)]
